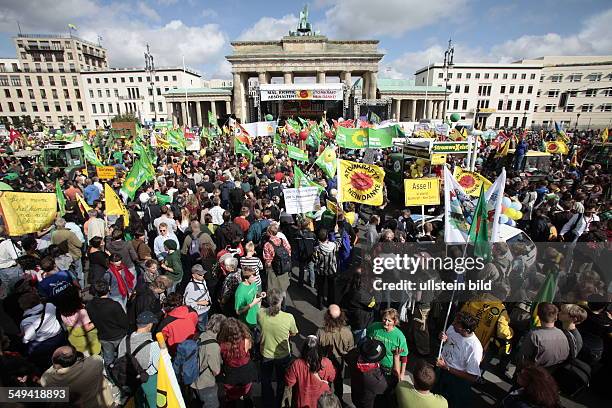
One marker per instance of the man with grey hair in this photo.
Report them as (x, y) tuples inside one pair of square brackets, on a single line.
[(94, 226), (209, 355), (276, 328), (231, 282), (63, 234)]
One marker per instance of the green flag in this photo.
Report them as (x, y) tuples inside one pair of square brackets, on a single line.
[(278, 142), (162, 199), (139, 132), (301, 180), (240, 148), (296, 153), (176, 139), (292, 124), (137, 176), (212, 120), (545, 294), (362, 138), (206, 133), (61, 199), (139, 149), (90, 155), (314, 137), (478, 233), (374, 118), (327, 161), (383, 137)]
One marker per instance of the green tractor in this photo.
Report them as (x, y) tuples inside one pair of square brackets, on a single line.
[(68, 156)]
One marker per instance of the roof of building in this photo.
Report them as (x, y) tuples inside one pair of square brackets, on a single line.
[(387, 85), (142, 70), (479, 65), (199, 91)]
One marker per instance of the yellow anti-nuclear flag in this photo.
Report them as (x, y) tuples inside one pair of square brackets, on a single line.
[(471, 181), (604, 136), (360, 182), (25, 213), (85, 208), (114, 206), (168, 389), (558, 147)]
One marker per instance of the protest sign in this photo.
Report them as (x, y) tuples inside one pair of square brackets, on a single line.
[(301, 200), (106, 172), (25, 213), (422, 191)]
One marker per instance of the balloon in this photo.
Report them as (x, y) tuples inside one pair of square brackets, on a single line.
[(510, 213), (455, 117), (509, 222), (512, 223), (420, 162), (266, 158), (519, 215), (269, 117), (503, 209), (503, 219), (506, 202), (303, 134), (516, 205)]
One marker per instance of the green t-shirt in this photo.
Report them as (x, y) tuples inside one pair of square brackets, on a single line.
[(173, 261), (392, 340), (245, 295), (275, 333), (407, 396)]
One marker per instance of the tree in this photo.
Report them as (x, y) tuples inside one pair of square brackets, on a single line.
[(68, 124), (26, 121), (17, 122), (127, 117)]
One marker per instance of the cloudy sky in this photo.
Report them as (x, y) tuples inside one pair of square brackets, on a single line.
[(411, 32)]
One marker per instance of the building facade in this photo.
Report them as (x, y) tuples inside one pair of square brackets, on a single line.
[(575, 91), (118, 91), (47, 85), (490, 95)]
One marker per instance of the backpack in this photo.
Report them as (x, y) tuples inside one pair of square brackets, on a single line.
[(573, 375), (281, 263), (306, 245), (126, 371), (344, 250), (194, 246), (186, 362)]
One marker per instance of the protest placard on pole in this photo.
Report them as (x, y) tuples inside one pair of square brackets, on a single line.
[(301, 200)]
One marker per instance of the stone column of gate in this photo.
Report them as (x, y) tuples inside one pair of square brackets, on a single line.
[(198, 109), (238, 98), (438, 110), (262, 77), (213, 108), (413, 105), (429, 114), (288, 77), (320, 77), (397, 103), (170, 111), (228, 107), (372, 85), (184, 113), (365, 85)]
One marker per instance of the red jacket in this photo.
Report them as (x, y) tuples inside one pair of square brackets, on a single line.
[(181, 328)]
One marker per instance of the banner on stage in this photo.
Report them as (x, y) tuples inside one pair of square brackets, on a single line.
[(422, 191), (284, 92), (301, 200), (25, 213), (106, 172)]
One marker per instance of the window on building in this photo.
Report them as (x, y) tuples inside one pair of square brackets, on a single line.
[(591, 93), (151, 106), (506, 121), (523, 76), (502, 89), (31, 93), (77, 93), (159, 91), (28, 81), (68, 106), (477, 75), (466, 89), (15, 81), (535, 107), (486, 75), (11, 107), (518, 105), (553, 93), (468, 75), (587, 107), (500, 105), (497, 119), (110, 108), (530, 89), (459, 75), (139, 79), (34, 107), (549, 108), (58, 107), (63, 81), (97, 80), (511, 89), (556, 78), (123, 79), (569, 108), (131, 79), (572, 92), (51, 81), (54, 93), (157, 77), (456, 104), (160, 107), (527, 103), (72, 68), (66, 94), (91, 93), (575, 78), (514, 76), (533, 76), (606, 107), (22, 107), (521, 89), (509, 104), (43, 94), (7, 93), (165, 77), (505, 76), (19, 93), (102, 108), (93, 108), (457, 88), (108, 94), (594, 78), (89, 80), (80, 106), (106, 80)]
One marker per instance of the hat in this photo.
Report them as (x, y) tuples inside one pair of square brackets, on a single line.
[(146, 317), (278, 176), (170, 244), (198, 270), (372, 351)]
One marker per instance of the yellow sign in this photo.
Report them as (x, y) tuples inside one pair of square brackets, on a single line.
[(25, 213), (106, 172), (422, 191), (360, 183), (438, 159)]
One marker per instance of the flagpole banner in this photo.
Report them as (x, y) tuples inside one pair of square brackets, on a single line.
[(470, 181), (296, 153), (284, 92), (25, 213), (168, 390), (301, 200), (257, 129), (558, 147), (457, 208), (360, 182), (494, 197)]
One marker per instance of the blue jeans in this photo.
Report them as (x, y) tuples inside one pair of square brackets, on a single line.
[(307, 268), (208, 397), (109, 350), (359, 336), (202, 321), (268, 366), (78, 271)]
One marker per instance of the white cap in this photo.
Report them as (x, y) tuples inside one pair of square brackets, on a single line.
[(144, 198)]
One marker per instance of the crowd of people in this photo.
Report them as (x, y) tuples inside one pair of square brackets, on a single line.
[(210, 259)]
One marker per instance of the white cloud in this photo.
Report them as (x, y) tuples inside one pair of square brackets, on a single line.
[(167, 2), (366, 18), (53, 15), (270, 28), (595, 38), (148, 11), (223, 70), (209, 13)]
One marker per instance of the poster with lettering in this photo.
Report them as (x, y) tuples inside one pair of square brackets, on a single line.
[(422, 191), (25, 213), (301, 200), (106, 172)]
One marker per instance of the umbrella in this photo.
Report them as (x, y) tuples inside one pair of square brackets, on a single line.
[(5, 187)]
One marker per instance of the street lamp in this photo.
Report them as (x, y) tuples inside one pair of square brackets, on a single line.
[(448, 62), (524, 120), (150, 70)]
